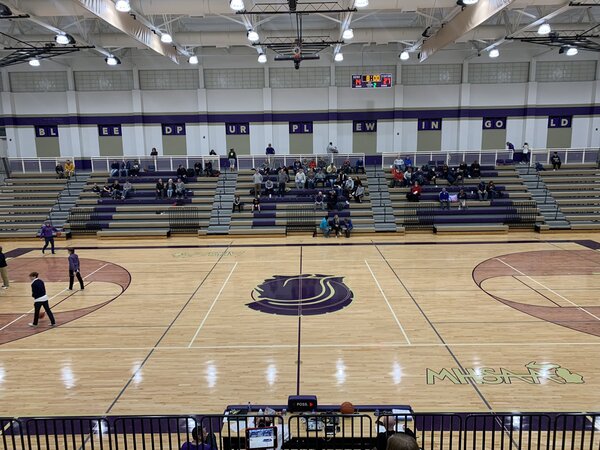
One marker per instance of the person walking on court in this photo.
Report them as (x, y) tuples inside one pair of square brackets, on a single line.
[(47, 233), (4, 270), (40, 299), (74, 270)]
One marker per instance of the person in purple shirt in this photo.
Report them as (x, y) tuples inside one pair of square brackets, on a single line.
[(74, 270), (201, 441), (47, 233)]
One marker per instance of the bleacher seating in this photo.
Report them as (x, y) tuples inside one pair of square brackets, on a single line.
[(141, 214), (576, 190), (273, 217), (26, 201), (513, 208)]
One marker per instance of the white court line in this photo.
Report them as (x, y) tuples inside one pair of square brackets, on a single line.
[(388, 303), (547, 288), (212, 306), (51, 298), (286, 346)]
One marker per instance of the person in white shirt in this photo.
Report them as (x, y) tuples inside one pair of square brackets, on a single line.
[(300, 179), (399, 164), (332, 148)]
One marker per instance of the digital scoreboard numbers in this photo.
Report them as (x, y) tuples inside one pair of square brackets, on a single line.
[(371, 81)]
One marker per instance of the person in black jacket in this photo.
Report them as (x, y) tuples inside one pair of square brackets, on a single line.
[(4, 270), (40, 299)]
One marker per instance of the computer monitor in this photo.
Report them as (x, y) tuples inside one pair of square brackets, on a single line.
[(261, 438)]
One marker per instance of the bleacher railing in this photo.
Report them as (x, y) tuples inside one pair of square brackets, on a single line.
[(247, 162), (582, 155), (361, 431), (155, 163)]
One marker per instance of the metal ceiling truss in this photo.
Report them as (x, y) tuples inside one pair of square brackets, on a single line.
[(327, 7), (289, 46), (583, 41), (25, 51)]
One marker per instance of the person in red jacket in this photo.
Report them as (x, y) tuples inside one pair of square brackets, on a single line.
[(414, 194)]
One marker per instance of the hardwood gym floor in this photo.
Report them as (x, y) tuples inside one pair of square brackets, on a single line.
[(187, 325)]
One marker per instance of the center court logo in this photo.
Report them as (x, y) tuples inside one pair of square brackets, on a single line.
[(307, 294), (536, 374)]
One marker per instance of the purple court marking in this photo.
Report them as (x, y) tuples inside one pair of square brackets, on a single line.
[(18, 252), (305, 294), (592, 245)]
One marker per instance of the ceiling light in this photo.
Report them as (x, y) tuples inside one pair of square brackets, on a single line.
[(361, 3), (123, 6), (262, 58), (112, 60), (338, 57), (193, 60), (253, 36), (237, 5), (348, 34), (64, 39), (166, 38), (34, 62), (468, 2), (5, 10), (494, 53), (404, 55), (572, 51), (544, 29)]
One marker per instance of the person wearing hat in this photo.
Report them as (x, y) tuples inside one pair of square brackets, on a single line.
[(47, 233)]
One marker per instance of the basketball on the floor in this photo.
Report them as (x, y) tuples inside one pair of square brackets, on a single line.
[(347, 408), (42, 314)]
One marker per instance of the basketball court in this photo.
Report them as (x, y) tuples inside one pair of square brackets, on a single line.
[(495, 323)]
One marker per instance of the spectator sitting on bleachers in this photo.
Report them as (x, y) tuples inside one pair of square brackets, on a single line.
[(208, 169), (180, 188), (160, 188), (444, 199), (331, 148), (408, 162), (463, 169), (482, 192), (430, 174), (96, 189), (269, 187), (414, 195), (256, 204), (475, 171), (319, 201), (347, 226), (135, 169), (320, 178), (297, 166), (201, 441), (282, 179), (331, 169), (555, 160), (312, 164), (125, 166), (335, 225), (300, 179), (106, 191), (359, 191), (321, 164), (237, 203), (114, 169), (170, 188), (346, 167), (257, 180), (397, 178), (359, 166), (445, 172), (310, 179), (117, 190), (408, 177), (198, 168), (127, 187), (69, 168), (462, 199), (491, 191), (182, 173), (399, 164), (324, 226), (60, 171), (348, 187)]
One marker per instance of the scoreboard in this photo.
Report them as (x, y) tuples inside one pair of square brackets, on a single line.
[(369, 81)]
